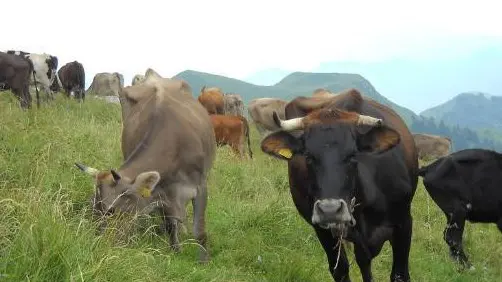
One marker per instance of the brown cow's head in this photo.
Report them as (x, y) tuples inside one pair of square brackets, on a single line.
[(120, 194), (333, 145)]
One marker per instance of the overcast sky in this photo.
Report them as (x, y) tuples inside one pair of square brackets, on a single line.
[(236, 38)]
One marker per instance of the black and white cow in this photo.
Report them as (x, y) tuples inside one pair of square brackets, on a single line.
[(466, 186), (44, 66)]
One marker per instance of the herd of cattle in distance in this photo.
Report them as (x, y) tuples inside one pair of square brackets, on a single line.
[(352, 162)]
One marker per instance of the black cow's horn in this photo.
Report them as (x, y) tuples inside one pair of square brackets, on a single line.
[(368, 120), (290, 124)]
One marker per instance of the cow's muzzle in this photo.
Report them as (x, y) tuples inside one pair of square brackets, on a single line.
[(332, 213)]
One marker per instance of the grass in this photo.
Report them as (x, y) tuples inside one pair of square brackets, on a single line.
[(256, 234)]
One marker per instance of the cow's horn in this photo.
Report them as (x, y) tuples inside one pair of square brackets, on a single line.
[(88, 170), (115, 175), (367, 120), (290, 124)]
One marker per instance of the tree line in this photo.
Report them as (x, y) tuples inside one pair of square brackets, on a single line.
[(461, 137)]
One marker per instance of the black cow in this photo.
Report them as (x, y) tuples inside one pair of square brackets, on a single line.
[(466, 186), (15, 74), (353, 173), (72, 77)]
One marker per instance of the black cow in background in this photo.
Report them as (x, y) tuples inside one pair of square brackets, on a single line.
[(72, 77), (466, 185)]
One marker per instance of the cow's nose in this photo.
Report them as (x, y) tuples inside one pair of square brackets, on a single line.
[(327, 211), (330, 206)]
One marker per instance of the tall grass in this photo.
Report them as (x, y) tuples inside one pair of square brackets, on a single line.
[(255, 232)]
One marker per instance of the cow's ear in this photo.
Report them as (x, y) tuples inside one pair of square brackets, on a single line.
[(145, 183), (377, 139), (281, 145)]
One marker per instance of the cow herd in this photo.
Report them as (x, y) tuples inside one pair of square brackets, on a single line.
[(19, 70), (352, 162)]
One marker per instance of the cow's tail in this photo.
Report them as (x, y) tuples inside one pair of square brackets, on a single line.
[(34, 80), (246, 133)]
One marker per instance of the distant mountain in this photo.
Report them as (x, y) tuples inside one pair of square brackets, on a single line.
[(425, 81), (293, 85), (267, 77), (336, 82), (475, 110)]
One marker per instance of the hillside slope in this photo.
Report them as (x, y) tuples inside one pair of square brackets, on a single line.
[(295, 84), (470, 109)]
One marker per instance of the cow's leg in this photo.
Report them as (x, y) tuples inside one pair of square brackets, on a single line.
[(236, 148), (401, 242), (331, 248), (242, 146), (261, 129), (199, 204), (499, 224), (453, 234), (364, 263), (171, 226)]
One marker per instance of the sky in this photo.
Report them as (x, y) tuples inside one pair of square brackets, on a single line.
[(238, 38)]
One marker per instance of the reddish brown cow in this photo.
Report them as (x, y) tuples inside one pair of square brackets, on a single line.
[(231, 130), (212, 99)]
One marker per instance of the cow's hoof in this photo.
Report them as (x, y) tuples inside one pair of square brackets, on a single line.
[(176, 248), (203, 258), (399, 278)]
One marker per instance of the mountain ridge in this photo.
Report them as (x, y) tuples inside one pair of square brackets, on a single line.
[(293, 85)]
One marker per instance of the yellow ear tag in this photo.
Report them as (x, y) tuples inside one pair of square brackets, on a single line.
[(145, 192), (285, 153)]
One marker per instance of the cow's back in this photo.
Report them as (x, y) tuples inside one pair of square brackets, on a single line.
[(431, 145), (167, 121), (261, 110)]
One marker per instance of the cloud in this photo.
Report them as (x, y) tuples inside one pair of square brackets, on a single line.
[(235, 38)]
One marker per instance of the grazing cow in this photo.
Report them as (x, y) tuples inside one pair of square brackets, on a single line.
[(233, 104), (322, 93), (169, 147), (353, 172), (45, 67), (232, 130), (72, 76), (431, 146), (137, 79), (260, 111), (105, 84), (15, 72), (212, 99), (466, 186)]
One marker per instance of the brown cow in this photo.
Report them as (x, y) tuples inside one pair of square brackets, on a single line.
[(212, 99), (169, 148), (231, 130), (431, 146), (353, 172)]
